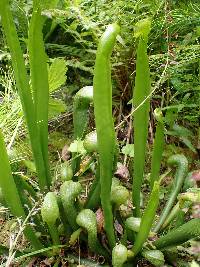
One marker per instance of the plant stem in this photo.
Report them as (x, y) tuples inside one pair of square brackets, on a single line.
[(53, 230), (157, 150), (147, 219), (182, 167), (141, 115), (94, 195)]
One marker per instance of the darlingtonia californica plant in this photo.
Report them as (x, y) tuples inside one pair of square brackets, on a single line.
[(66, 204)]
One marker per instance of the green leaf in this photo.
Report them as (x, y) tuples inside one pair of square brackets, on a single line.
[(57, 74), (182, 131), (155, 257), (188, 143), (147, 219), (77, 146), (128, 150), (56, 107)]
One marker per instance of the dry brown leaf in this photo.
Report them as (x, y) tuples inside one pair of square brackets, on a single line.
[(65, 154), (100, 220), (122, 172)]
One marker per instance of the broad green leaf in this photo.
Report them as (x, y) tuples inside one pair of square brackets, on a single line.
[(57, 74)]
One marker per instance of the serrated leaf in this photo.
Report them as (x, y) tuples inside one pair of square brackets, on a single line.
[(128, 150), (77, 147), (57, 74)]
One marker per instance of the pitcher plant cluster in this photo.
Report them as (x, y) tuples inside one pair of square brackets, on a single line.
[(145, 233)]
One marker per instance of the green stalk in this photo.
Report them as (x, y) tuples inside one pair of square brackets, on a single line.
[(174, 212), (182, 167), (158, 146), (39, 81), (180, 235), (190, 197), (23, 87), (53, 230), (104, 123), (141, 115), (147, 219), (25, 201), (10, 193)]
